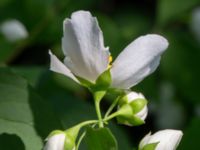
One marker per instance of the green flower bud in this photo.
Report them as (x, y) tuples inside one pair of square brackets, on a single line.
[(132, 109)]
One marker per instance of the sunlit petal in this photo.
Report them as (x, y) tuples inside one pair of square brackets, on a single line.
[(83, 46), (138, 60), (57, 66)]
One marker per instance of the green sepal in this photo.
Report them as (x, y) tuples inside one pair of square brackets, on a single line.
[(54, 133), (103, 82), (116, 91), (126, 116), (138, 104), (71, 135), (123, 100), (125, 110), (69, 144), (151, 146), (85, 82), (130, 120)]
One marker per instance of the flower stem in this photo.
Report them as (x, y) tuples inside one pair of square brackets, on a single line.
[(112, 106), (111, 116), (97, 106), (80, 139), (87, 123)]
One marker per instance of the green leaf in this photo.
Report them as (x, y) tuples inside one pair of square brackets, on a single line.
[(151, 146), (100, 139), (23, 112), (30, 73)]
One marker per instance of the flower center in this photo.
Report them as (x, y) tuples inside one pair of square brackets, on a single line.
[(110, 61)]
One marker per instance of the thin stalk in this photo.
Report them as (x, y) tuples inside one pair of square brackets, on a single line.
[(80, 139), (97, 106), (113, 115), (87, 122), (112, 106)]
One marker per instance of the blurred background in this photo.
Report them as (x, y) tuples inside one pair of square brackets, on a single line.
[(34, 101)]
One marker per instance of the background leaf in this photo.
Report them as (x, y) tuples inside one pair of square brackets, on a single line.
[(100, 139), (17, 97)]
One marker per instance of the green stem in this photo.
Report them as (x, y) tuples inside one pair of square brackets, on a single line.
[(112, 106), (87, 123), (80, 139), (113, 115), (97, 106)]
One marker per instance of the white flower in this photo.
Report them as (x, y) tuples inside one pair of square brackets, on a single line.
[(167, 139), (87, 57), (56, 142), (13, 30)]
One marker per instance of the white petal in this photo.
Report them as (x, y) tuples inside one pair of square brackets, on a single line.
[(133, 96), (143, 113), (57, 66), (168, 139), (56, 142), (13, 30), (84, 47), (138, 60), (145, 140)]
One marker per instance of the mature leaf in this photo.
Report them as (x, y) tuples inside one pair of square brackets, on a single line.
[(31, 73), (100, 139), (23, 112)]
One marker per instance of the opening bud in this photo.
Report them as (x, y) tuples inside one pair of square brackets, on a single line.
[(132, 109), (62, 140), (162, 140)]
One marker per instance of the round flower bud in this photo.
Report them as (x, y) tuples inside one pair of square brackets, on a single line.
[(137, 103), (162, 140), (59, 140)]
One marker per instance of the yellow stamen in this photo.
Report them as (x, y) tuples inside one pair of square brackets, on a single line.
[(110, 61)]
